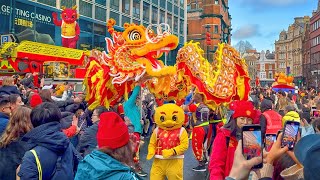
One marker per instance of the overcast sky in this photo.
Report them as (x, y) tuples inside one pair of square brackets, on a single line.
[(261, 21)]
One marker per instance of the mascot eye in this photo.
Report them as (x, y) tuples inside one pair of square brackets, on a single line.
[(174, 117), (65, 16), (73, 16), (162, 118), (134, 35)]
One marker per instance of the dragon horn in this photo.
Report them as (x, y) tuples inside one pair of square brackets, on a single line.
[(74, 7), (110, 23), (63, 7)]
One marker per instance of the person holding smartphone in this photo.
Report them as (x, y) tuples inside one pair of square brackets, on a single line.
[(227, 138)]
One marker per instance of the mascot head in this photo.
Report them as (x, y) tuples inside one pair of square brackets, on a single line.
[(169, 117), (69, 15)]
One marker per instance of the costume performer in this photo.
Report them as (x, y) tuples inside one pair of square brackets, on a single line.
[(168, 143), (70, 29), (201, 132)]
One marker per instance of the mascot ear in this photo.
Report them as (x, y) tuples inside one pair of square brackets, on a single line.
[(74, 7), (63, 8)]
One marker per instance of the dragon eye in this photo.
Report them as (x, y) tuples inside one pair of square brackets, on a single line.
[(134, 35), (174, 117), (162, 118), (73, 16)]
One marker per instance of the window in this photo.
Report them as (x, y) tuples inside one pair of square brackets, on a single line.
[(125, 19), (162, 16), (101, 2), (115, 16), (163, 4), (126, 6), (99, 42), (181, 12), (136, 8), (155, 2), (262, 67), (216, 1), (99, 29), (176, 10), (137, 22), (169, 21), (85, 9), (146, 12), (114, 4), (70, 3), (175, 24), (181, 26), (101, 13), (169, 6), (176, 1), (48, 2), (154, 15), (270, 76), (182, 3), (216, 29), (86, 26)]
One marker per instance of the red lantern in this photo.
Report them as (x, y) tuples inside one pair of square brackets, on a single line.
[(208, 38)]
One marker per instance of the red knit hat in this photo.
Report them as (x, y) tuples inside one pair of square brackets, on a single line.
[(112, 131), (35, 100), (244, 109)]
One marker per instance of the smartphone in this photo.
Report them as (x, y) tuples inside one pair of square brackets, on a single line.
[(290, 132), (270, 140), (315, 113), (252, 143)]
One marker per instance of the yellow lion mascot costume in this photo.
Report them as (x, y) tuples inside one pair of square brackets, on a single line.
[(168, 143)]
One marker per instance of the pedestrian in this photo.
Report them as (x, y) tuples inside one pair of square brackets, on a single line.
[(270, 120), (12, 149), (52, 155), (15, 101), (8, 87), (88, 140), (226, 141), (5, 111), (290, 115), (113, 159)]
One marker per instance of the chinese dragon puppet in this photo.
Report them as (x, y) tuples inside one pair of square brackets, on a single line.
[(134, 54), (70, 29)]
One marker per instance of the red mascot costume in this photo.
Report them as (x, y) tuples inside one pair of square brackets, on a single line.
[(70, 29)]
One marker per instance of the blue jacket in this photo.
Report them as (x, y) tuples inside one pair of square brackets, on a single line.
[(49, 143), (132, 111), (99, 165), (4, 119), (88, 140), (7, 90)]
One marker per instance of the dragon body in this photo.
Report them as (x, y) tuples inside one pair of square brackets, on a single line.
[(133, 54)]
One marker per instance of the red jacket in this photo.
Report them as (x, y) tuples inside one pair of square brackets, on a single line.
[(274, 121), (71, 131), (221, 159)]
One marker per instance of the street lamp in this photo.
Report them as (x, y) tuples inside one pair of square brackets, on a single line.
[(208, 39)]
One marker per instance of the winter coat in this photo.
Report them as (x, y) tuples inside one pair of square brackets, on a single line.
[(222, 155), (4, 119), (290, 116), (275, 122), (88, 140), (132, 111), (100, 166), (7, 90), (49, 143), (10, 158)]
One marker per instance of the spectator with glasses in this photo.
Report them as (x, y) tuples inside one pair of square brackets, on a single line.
[(5, 111)]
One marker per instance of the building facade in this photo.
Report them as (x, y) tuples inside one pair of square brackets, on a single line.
[(289, 48), (208, 16), (306, 64), (315, 48), (252, 58), (266, 68), (32, 19)]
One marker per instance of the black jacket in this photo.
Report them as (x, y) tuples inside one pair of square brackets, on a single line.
[(88, 140), (10, 159), (7, 90)]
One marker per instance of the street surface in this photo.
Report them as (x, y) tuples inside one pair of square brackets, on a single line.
[(189, 163)]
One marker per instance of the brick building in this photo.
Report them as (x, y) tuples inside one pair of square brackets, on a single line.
[(315, 47), (289, 48), (208, 16), (252, 57), (266, 68)]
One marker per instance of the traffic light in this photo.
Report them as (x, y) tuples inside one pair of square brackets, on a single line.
[(208, 38)]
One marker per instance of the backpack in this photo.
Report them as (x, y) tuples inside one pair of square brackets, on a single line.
[(59, 171)]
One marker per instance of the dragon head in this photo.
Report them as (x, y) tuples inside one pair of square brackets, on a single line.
[(69, 15), (135, 51)]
